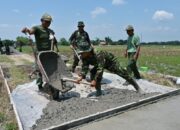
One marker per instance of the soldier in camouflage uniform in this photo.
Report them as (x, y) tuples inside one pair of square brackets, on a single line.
[(42, 37), (104, 60), (79, 42)]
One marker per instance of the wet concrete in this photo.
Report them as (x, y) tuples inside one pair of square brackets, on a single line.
[(29, 103), (78, 102), (58, 112)]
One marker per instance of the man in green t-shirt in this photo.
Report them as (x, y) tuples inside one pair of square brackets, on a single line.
[(43, 36), (132, 51)]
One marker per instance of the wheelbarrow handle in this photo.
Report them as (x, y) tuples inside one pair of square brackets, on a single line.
[(75, 81)]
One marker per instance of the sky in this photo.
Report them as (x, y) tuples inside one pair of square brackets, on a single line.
[(153, 20)]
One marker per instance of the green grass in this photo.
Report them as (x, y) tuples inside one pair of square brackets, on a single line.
[(26, 49), (4, 58), (162, 59), (2, 117), (10, 126), (18, 75), (158, 58)]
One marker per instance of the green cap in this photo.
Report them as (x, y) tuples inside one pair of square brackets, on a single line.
[(46, 17), (80, 23), (129, 27)]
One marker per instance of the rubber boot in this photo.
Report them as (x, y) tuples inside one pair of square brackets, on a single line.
[(98, 91), (39, 82)]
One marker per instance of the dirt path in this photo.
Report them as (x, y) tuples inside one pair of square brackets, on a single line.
[(21, 59)]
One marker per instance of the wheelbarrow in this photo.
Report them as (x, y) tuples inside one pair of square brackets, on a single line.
[(55, 74)]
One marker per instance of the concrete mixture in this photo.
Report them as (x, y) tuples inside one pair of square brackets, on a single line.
[(78, 102)]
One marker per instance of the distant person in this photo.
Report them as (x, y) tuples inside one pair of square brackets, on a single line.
[(43, 37), (132, 51), (15, 45), (1, 45), (79, 41), (7, 48)]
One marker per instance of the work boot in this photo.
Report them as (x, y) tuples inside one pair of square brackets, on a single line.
[(98, 93), (73, 70), (39, 84), (40, 87)]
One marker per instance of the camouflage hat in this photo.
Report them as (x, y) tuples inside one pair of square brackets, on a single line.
[(46, 17), (129, 27), (80, 23)]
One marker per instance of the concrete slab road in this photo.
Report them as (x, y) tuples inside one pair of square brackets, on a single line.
[(162, 115)]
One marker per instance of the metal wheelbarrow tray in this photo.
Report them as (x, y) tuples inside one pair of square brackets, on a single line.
[(53, 70)]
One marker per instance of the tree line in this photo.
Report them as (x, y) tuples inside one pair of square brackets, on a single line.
[(23, 41)]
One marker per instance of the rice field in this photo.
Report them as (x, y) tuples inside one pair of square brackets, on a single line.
[(158, 58)]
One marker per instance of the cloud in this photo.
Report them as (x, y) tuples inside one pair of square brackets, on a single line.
[(15, 10), (4, 25), (98, 11), (118, 2), (161, 15)]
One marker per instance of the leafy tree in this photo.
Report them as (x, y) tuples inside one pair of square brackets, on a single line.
[(64, 42), (122, 42), (108, 40), (8, 42), (22, 40), (96, 41)]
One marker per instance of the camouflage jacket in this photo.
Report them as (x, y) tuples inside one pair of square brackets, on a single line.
[(81, 41)]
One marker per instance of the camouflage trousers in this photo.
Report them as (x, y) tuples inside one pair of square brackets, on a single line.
[(92, 61), (132, 67), (109, 62), (75, 62)]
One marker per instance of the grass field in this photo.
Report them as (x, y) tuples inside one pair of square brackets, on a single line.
[(158, 58)]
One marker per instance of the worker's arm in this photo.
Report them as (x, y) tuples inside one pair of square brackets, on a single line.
[(137, 45), (126, 53), (29, 31), (55, 44), (72, 40), (79, 79)]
